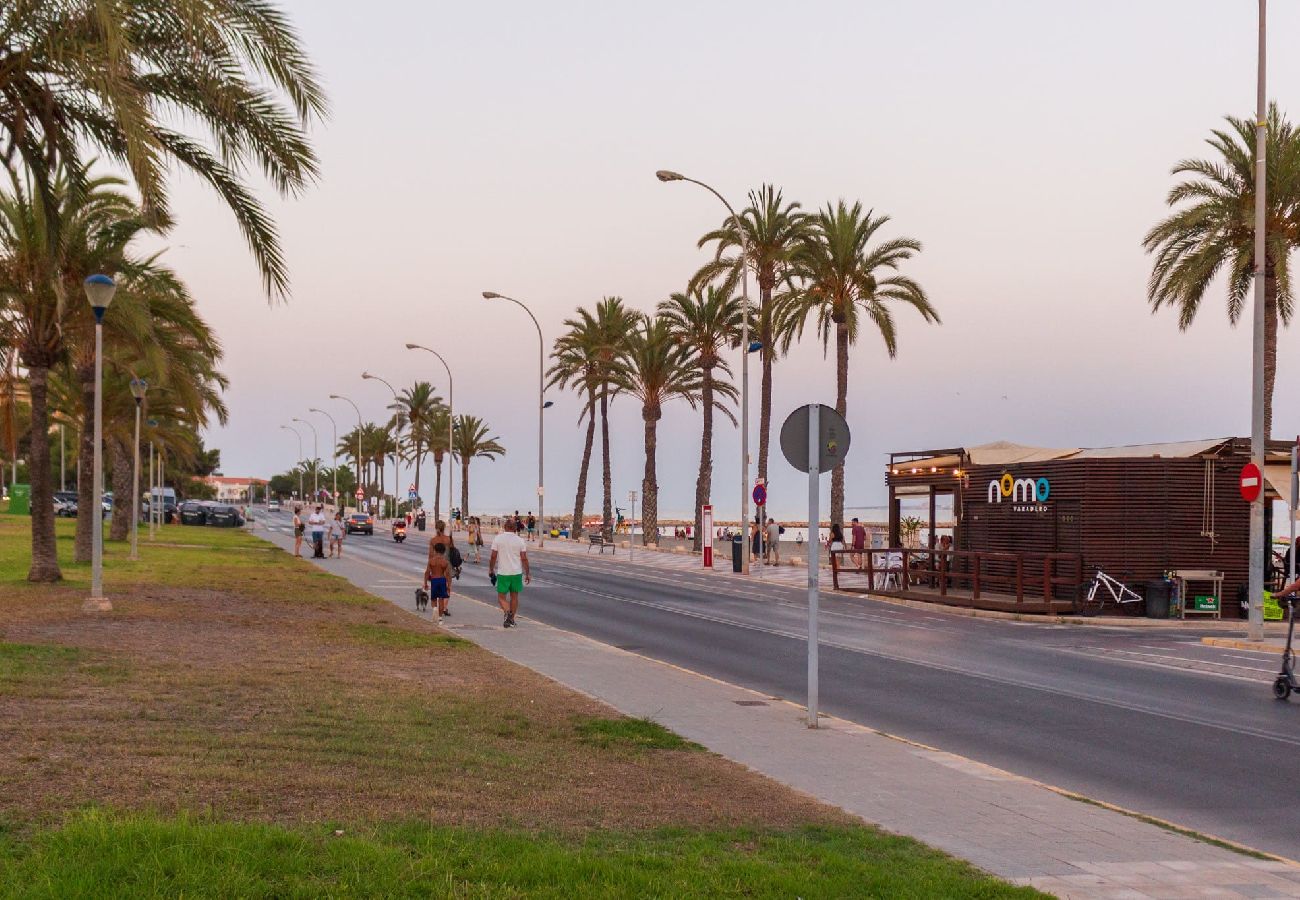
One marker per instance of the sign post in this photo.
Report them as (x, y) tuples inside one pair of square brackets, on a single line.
[(1295, 501), (706, 527), (631, 526), (760, 513), (814, 438)]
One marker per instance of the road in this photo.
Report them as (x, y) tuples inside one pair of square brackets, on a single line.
[(1153, 722)]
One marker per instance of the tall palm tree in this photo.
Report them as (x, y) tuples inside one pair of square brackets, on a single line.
[(435, 438), (656, 367), (773, 229), (708, 320), (113, 77), (603, 335), (471, 440), (842, 278), (418, 404), (577, 365), (1213, 229)]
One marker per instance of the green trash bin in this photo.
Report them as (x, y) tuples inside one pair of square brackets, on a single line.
[(20, 499)]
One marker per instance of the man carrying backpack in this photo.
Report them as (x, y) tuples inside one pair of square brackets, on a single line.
[(442, 544)]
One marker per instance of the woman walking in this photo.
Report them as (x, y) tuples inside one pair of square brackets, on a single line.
[(336, 536), (472, 535), (298, 530)]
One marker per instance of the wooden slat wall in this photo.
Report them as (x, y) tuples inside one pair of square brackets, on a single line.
[(1134, 518)]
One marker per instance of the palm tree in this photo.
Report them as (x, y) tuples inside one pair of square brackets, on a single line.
[(603, 336), (471, 440), (577, 365), (114, 76), (435, 438), (773, 229), (1215, 230), (707, 320), (841, 278), (656, 367), (418, 404)]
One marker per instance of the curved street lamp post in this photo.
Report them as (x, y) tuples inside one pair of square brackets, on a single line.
[(665, 175), (359, 427), (451, 416), (299, 437), (335, 445), (541, 406), (315, 461), (397, 445)]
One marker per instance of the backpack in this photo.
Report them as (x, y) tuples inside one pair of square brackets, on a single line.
[(454, 557)]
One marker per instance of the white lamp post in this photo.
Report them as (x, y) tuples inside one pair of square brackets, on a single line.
[(99, 291), (666, 176), (397, 446), (359, 426), (335, 454), (315, 462), (299, 437), (451, 416), (138, 388), (541, 406)]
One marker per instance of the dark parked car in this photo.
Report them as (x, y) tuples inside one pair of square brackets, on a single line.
[(194, 512), (361, 523), (224, 515)]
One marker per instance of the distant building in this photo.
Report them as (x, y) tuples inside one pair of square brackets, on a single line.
[(235, 490)]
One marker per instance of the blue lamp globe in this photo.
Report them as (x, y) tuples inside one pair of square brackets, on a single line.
[(99, 291)]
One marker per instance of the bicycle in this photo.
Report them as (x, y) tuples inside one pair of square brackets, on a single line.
[(1119, 594)]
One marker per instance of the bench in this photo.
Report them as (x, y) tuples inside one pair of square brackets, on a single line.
[(598, 540)]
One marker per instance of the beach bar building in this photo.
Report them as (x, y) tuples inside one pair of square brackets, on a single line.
[(1033, 524)]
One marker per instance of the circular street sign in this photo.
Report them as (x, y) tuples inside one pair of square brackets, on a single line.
[(1252, 482), (833, 439), (760, 495), (361, 495)]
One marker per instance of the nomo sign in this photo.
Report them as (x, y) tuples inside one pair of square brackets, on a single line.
[(1019, 490)]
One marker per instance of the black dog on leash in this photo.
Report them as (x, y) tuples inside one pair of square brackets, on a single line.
[(421, 599)]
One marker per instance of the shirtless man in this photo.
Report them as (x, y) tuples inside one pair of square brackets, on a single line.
[(438, 574)]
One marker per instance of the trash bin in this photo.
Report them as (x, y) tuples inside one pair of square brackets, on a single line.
[(1158, 599), (20, 499), (738, 553)]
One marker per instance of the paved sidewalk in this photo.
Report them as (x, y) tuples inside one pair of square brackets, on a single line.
[(1012, 827)]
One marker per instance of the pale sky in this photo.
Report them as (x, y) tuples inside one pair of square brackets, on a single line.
[(512, 147)]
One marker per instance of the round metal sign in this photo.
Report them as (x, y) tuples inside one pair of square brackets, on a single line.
[(832, 441), (1252, 482)]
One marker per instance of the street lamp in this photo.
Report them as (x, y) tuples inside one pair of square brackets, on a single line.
[(666, 176), (138, 388), (299, 437), (336, 448), (315, 461), (451, 416), (397, 446), (99, 291), (541, 405), (359, 427)]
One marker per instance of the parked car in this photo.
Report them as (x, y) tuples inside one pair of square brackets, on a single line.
[(194, 512), (223, 515), (361, 523)]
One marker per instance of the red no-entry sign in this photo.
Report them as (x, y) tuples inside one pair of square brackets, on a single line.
[(360, 493), (1252, 482)]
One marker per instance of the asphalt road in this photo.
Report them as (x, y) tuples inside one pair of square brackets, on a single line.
[(1154, 722)]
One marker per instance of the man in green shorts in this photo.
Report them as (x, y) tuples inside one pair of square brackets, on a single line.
[(508, 565)]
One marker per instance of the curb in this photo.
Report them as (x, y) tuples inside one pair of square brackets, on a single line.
[(1239, 644)]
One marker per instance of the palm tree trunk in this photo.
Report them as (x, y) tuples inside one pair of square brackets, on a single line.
[(437, 488), (704, 480), (87, 518), (649, 485), (120, 527), (841, 404), (607, 510), (766, 354), (1270, 346), (45, 557), (419, 458), (580, 501), (464, 488)]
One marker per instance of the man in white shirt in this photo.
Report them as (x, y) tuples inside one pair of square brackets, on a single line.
[(508, 568), (316, 523)]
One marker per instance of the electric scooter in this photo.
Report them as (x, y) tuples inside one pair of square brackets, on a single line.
[(1285, 682)]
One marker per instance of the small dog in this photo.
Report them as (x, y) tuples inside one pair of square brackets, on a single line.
[(421, 599)]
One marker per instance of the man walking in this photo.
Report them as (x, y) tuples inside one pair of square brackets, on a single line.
[(859, 536), (508, 567), (773, 543)]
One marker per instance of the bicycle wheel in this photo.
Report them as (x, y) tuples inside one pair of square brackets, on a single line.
[(1090, 604)]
